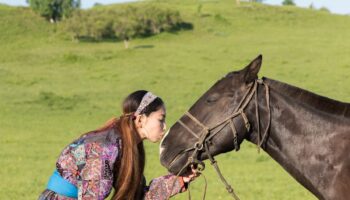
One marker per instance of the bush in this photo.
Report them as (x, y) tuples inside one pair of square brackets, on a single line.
[(123, 24)]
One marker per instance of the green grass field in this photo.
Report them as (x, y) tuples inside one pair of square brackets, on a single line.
[(53, 89)]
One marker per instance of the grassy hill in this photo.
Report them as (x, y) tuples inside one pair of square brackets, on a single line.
[(53, 89)]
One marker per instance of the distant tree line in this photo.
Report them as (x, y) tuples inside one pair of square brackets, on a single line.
[(123, 23)]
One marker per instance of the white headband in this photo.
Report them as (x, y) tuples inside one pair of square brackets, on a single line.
[(147, 99)]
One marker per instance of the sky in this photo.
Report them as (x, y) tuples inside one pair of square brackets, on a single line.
[(335, 6)]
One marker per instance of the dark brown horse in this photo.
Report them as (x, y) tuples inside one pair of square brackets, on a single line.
[(307, 134)]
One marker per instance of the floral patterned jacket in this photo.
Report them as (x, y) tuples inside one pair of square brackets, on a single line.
[(88, 162)]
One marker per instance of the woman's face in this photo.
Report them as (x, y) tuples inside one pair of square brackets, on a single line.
[(153, 126)]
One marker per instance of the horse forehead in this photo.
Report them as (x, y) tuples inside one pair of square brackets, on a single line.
[(221, 86)]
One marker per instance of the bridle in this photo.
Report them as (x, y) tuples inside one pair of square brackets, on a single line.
[(208, 132)]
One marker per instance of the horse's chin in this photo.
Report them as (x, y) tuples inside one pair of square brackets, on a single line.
[(184, 171), (178, 167)]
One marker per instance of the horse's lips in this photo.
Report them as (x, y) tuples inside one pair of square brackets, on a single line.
[(170, 163), (161, 149)]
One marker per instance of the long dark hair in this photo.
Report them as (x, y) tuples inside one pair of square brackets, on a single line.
[(128, 172)]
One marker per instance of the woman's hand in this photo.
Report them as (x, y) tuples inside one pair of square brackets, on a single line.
[(190, 175)]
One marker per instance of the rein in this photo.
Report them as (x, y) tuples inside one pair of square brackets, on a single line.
[(208, 133)]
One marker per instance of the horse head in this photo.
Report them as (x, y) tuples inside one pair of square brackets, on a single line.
[(215, 124)]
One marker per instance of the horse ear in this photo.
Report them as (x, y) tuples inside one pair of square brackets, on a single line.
[(251, 71)]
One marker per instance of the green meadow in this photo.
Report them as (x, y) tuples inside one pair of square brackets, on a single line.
[(53, 89)]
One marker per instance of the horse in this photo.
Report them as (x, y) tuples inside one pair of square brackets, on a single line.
[(307, 134)]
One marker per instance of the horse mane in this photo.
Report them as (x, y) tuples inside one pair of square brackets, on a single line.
[(311, 99)]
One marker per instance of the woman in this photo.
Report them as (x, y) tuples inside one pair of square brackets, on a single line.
[(113, 156)]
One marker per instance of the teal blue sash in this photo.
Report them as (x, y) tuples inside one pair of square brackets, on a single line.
[(61, 186)]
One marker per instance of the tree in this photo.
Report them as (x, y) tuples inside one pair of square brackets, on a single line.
[(288, 3), (54, 10)]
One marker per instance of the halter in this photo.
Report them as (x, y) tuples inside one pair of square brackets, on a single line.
[(207, 133)]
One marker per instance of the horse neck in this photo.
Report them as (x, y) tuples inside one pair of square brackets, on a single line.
[(299, 134)]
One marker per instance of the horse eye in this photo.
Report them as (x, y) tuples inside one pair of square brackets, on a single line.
[(212, 98)]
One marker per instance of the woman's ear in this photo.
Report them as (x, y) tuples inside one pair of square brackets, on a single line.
[(138, 121)]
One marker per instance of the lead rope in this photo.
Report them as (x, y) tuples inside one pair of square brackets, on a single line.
[(189, 191), (213, 162), (189, 161), (205, 187)]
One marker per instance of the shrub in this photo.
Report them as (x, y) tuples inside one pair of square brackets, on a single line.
[(123, 24)]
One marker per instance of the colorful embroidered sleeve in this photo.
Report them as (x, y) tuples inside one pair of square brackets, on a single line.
[(164, 187)]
